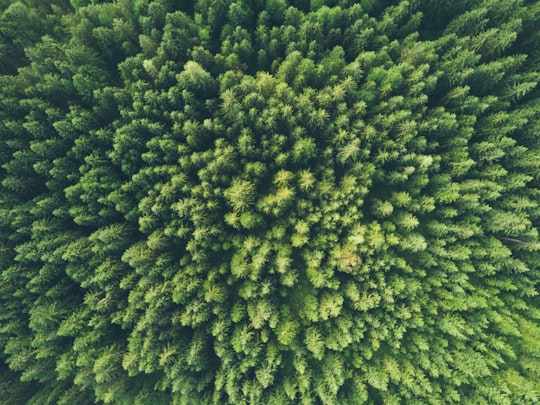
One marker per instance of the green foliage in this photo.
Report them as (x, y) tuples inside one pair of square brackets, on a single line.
[(316, 202)]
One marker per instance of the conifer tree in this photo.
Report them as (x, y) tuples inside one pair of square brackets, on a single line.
[(232, 201)]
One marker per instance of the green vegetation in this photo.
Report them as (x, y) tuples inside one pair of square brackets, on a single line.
[(278, 202)]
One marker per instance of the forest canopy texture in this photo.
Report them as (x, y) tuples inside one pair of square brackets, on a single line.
[(269, 202)]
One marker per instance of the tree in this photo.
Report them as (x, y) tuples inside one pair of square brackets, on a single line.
[(269, 202)]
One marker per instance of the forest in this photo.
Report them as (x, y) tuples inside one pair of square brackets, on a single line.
[(269, 202)]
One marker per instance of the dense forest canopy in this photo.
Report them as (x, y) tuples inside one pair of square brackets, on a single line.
[(269, 202)]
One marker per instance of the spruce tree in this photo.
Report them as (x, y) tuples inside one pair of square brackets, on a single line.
[(232, 201)]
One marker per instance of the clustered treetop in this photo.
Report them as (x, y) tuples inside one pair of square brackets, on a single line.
[(278, 202)]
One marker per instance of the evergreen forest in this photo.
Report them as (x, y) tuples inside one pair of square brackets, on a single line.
[(270, 202)]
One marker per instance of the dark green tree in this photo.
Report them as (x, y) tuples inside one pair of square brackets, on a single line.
[(315, 202)]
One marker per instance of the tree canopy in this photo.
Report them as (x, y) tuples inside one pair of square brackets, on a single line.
[(278, 202)]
